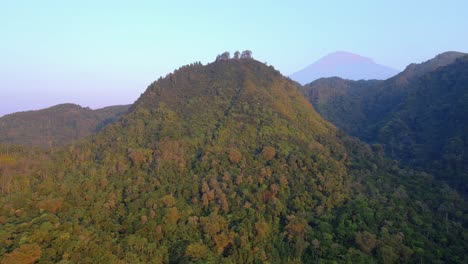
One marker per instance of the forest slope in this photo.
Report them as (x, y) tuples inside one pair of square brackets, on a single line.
[(223, 163), (57, 125), (419, 116)]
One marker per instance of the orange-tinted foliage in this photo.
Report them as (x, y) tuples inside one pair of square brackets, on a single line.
[(25, 254)]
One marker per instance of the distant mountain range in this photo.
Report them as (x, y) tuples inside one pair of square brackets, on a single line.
[(419, 116), (57, 125), (345, 65)]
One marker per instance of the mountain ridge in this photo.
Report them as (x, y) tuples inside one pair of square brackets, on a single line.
[(57, 125), (222, 163), (370, 109), (415, 70)]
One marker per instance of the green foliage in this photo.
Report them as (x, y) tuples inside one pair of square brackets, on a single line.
[(419, 116), (223, 163), (56, 126)]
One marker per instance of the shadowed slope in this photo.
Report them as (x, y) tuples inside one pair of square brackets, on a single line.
[(419, 115), (57, 125)]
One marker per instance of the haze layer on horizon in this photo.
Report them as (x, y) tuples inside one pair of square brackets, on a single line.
[(106, 53)]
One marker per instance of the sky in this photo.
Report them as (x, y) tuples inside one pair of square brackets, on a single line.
[(100, 53)]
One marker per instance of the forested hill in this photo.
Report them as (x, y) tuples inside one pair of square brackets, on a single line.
[(57, 125), (223, 163), (415, 70), (419, 116)]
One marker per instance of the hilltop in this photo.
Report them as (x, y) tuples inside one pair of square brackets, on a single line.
[(223, 163)]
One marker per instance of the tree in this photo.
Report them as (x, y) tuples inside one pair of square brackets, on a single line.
[(197, 251), (262, 229), (236, 55), (268, 153), (235, 156), (366, 241), (172, 215), (224, 56), (27, 253), (246, 54)]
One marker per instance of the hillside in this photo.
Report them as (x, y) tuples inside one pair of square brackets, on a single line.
[(419, 116), (57, 125), (415, 70), (344, 65), (223, 163)]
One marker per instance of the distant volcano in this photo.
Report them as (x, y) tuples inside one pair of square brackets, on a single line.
[(345, 65)]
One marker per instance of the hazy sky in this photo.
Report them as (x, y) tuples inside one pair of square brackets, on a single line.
[(99, 53)]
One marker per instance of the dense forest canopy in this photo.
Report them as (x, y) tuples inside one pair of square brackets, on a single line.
[(223, 163), (56, 126), (419, 116)]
